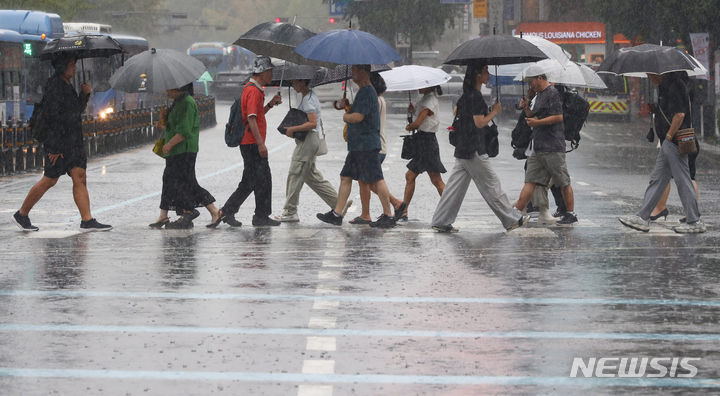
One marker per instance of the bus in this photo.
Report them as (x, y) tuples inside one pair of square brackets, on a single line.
[(239, 58), (87, 27), (11, 74), (36, 28), (213, 55)]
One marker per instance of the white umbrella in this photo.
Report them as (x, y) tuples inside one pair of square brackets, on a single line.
[(412, 77), (572, 75), (553, 51)]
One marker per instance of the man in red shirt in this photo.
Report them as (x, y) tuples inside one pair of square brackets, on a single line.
[(256, 174)]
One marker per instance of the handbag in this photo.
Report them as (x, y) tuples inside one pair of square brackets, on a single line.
[(294, 117), (322, 147), (685, 137), (492, 144), (409, 146), (157, 149)]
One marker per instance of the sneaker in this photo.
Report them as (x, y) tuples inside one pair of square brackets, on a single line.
[(384, 221), (521, 222), (264, 221), (559, 213), (636, 223), (568, 219), (347, 206), (23, 222), (288, 218), (330, 218), (544, 218), (191, 215), (445, 229), (697, 227), (182, 223), (231, 221), (93, 225)]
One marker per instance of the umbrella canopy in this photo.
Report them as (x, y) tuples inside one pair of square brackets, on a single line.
[(648, 58), (572, 74), (289, 71), (552, 50), (495, 50), (348, 47), (278, 40), (412, 77), (340, 73), (157, 70), (81, 46)]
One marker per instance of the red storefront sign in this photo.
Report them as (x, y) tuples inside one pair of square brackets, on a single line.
[(569, 32)]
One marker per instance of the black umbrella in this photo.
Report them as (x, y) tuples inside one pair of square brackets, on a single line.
[(292, 71), (647, 58), (278, 40), (495, 50), (81, 47)]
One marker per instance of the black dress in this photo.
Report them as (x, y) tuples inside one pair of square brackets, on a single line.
[(427, 154)]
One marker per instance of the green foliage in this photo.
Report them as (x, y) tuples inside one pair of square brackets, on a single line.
[(424, 20)]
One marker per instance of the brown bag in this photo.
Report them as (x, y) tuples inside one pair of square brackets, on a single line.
[(686, 141)]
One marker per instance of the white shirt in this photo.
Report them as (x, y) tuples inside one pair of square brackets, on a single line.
[(431, 122), (381, 103), (311, 104)]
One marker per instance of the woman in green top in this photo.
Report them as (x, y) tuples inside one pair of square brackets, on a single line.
[(181, 191)]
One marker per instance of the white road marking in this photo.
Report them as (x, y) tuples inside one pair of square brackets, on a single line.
[(327, 290), (320, 322), (579, 183), (315, 390), (318, 367), (328, 344), (328, 275), (325, 304)]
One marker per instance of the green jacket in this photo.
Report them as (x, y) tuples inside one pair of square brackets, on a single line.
[(183, 120)]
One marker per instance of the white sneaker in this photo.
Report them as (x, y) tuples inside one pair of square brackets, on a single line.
[(289, 218), (544, 218), (636, 223), (697, 227)]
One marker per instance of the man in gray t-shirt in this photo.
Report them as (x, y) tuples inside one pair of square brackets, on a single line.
[(546, 154)]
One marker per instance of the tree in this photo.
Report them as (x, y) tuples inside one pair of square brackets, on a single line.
[(424, 21)]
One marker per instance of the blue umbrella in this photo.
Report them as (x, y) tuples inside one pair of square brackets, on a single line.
[(347, 47)]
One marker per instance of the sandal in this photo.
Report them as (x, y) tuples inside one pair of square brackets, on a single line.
[(217, 222), (359, 220), (159, 224)]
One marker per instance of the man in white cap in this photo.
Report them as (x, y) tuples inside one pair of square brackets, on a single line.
[(256, 176), (546, 152)]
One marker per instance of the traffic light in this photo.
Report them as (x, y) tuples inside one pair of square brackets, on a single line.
[(281, 19), (331, 20)]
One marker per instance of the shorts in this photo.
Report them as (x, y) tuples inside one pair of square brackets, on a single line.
[(363, 166), (64, 164), (542, 167)]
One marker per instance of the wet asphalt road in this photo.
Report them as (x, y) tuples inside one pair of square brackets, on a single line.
[(311, 309)]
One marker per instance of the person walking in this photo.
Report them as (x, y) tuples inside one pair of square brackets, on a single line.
[(362, 162), (256, 175), (546, 153), (181, 191), (674, 114), (303, 168), (64, 148), (427, 151), (471, 159)]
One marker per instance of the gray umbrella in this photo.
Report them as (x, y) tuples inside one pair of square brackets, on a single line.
[(278, 40), (157, 70)]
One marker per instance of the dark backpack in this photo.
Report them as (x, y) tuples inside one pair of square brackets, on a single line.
[(575, 112), (38, 123), (235, 128), (520, 136)]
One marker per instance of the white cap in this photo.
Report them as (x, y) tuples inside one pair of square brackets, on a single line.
[(532, 71)]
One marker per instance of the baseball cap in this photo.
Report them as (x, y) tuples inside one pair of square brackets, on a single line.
[(533, 71)]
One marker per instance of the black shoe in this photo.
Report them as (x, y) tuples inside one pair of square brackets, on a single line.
[(400, 211), (160, 224), (384, 221), (330, 218), (23, 222), (664, 214), (194, 214), (568, 218), (264, 221), (445, 229), (559, 213), (93, 225), (683, 220), (183, 223), (531, 209), (231, 221)]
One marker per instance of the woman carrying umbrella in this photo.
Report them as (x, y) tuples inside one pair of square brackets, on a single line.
[(427, 151), (472, 161), (181, 191), (302, 166), (64, 148)]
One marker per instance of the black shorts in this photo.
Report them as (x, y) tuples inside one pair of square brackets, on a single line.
[(363, 166), (64, 164)]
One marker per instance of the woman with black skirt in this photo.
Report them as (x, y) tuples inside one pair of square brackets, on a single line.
[(427, 152), (181, 191)]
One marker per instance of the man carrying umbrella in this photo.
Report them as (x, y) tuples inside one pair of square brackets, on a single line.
[(256, 174), (64, 148), (546, 153)]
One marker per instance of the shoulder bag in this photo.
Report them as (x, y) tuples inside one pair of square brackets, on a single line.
[(685, 137)]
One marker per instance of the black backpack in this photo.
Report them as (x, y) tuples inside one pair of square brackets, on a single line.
[(575, 112), (235, 128), (38, 122), (520, 136)]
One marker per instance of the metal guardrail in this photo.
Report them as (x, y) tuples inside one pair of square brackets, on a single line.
[(117, 132)]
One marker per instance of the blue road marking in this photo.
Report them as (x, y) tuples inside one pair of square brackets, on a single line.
[(355, 298), (684, 337), (360, 378)]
